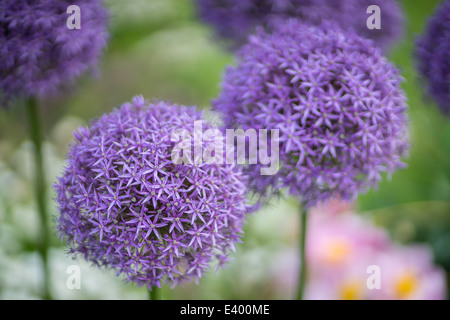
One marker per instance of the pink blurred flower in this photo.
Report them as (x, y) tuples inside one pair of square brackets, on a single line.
[(345, 283), (405, 273), (336, 240), (350, 258), (333, 206), (408, 273)]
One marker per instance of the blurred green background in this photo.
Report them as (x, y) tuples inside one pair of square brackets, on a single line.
[(159, 49)]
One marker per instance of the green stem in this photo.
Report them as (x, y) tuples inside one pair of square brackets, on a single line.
[(303, 269), (40, 187), (154, 293)]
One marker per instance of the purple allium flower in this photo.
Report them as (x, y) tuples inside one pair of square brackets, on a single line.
[(433, 56), (335, 99), (125, 204), (234, 20), (39, 53)]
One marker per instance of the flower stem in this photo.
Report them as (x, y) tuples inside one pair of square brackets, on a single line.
[(303, 269), (40, 187), (154, 293)]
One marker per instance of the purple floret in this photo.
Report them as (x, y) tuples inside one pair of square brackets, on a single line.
[(124, 204), (433, 56), (38, 52), (234, 20), (336, 100)]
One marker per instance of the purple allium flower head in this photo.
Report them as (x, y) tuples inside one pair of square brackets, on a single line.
[(433, 56), (125, 204), (39, 53), (335, 99), (234, 20)]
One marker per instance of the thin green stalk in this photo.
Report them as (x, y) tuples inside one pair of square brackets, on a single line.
[(40, 188), (154, 293), (303, 267)]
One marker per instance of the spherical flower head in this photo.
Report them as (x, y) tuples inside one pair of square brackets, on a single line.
[(38, 51), (125, 204), (336, 101), (433, 56), (234, 20)]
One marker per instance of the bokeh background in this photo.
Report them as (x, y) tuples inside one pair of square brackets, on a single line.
[(159, 48)]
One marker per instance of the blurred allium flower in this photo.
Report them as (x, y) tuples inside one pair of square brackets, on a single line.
[(125, 204), (433, 56), (38, 53), (336, 100), (234, 20)]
